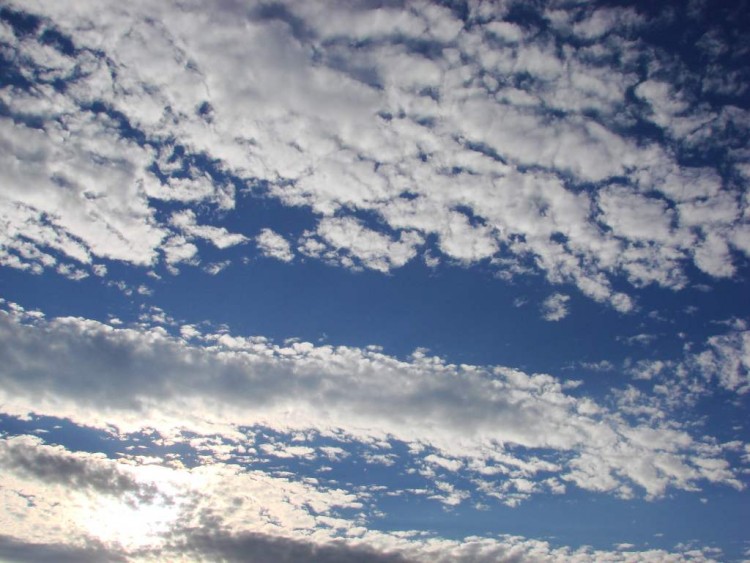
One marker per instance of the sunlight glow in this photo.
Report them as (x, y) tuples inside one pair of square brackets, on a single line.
[(136, 522)]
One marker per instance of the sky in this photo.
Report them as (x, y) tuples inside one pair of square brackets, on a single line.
[(374, 281)]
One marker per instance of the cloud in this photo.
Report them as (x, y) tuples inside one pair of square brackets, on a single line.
[(642, 339), (568, 145), (216, 267), (721, 362), (79, 198), (132, 378), (177, 250), (12, 549), (348, 242), (727, 358), (555, 307), (221, 511), (185, 221), (53, 464), (215, 545), (490, 141), (273, 245)]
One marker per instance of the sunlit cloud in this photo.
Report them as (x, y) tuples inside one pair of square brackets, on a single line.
[(373, 281)]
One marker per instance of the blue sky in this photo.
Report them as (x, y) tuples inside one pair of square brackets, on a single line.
[(374, 281)]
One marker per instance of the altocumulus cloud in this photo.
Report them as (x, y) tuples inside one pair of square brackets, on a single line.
[(130, 380), (555, 307), (98, 375), (565, 144)]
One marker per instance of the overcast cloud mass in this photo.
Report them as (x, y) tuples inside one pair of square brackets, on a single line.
[(374, 281)]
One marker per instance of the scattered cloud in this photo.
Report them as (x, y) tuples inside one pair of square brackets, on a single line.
[(215, 268), (273, 245), (642, 339), (572, 145), (322, 388), (185, 222), (555, 307), (486, 149), (727, 358), (218, 511)]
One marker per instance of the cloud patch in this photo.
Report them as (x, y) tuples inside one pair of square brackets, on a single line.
[(138, 377), (492, 141), (555, 307), (273, 245)]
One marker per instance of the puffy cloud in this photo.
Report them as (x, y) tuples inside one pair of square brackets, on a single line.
[(568, 146), (133, 378), (74, 189), (273, 245), (727, 358), (508, 142), (555, 307), (635, 217), (185, 221), (177, 249), (349, 242)]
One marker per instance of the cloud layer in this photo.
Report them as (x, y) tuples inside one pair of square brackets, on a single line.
[(564, 143), (600, 149), (529, 431), (218, 511)]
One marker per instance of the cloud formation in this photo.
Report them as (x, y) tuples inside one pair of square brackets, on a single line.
[(555, 307), (581, 147), (219, 511), (273, 245), (133, 378), (563, 144)]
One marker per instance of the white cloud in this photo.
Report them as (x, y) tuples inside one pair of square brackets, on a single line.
[(190, 190), (74, 189), (216, 267), (185, 221), (286, 451), (713, 256), (71, 272), (555, 307), (158, 381), (273, 245), (445, 463), (493, 141), (177, 249), (634, 217), (727, 358), (349, 242), (133, 509), (459, 145)]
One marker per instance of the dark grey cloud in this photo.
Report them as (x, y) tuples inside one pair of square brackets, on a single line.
[(14, 550), (52, 464), (217, 545)]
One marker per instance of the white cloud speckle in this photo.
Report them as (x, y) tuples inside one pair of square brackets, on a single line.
[(555, 307)]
